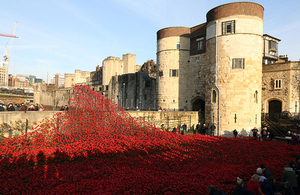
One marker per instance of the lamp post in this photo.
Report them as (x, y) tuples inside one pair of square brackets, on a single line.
[(123, 95)]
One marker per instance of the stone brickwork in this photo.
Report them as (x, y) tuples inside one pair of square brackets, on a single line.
[(288, 93), (32, 117), (168, 119), (113, 66), (132, 90), (69, 80), (232, 97), (237, 8), (171, 58), (49, 96), (197, 71), (78, 78)]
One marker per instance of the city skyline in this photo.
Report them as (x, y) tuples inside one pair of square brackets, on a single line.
[(61, 36)]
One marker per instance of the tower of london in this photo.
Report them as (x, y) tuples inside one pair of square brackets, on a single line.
[(227, 69)]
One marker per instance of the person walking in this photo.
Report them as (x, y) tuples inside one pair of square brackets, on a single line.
[(212, 129), (184, 127), (174, 130), (198, 128), (235, 133), (203, 129), (294, 139), (264, 133), (254, 131)]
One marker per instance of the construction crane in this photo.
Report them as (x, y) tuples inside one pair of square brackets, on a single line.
[(4, 65), (7, 35)]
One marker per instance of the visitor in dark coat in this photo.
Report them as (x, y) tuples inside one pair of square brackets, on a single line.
[(264, 133), (204, 129), (240, 190), (174, 130), (254, 132), (286, 188), (184, 127), (235, 133), (297, 171), (267, 188), (213, 191), (290, 176), (10, 108), (23, 107), (36, 108), (266, 172), (294, 139), (1, 107), (198, 128)]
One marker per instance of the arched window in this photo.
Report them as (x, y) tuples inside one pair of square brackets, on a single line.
[(214, 96)]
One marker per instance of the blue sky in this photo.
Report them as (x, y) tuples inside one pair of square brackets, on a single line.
[(60, 36)]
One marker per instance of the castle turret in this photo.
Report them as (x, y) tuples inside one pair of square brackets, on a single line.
[(173, 52), (234, 47)]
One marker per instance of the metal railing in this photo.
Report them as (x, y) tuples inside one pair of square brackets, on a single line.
[(276, 129)]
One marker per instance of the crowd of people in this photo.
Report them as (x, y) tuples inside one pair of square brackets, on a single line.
[(209, 129), (265, 135), (262, 182), (204, 129), (24, 107)]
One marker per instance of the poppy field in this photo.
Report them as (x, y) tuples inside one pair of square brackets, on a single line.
[(95, 147)]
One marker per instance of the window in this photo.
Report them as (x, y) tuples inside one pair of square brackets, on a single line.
[(200, 43), (173, 73), (273, 46), (106, 87), (238, 63), (277, 84), (147, 84), (177, 45), (197, 58), (256, 97), (228, 27), (214, 96)]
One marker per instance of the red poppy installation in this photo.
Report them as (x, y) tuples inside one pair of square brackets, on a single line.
[(96, 147)]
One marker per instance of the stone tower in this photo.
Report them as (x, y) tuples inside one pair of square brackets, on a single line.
[(234, 47), (173, 52)]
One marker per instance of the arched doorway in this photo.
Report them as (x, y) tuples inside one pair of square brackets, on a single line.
[(275, 108), (199, 105)]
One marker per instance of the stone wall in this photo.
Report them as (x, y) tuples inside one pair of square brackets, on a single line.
[(54, 97), (288, 94), (31, 116), (113, 66), (13, 99), (131, 90), (238, 90), (169, 119), (172, 90), (69, 80)]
